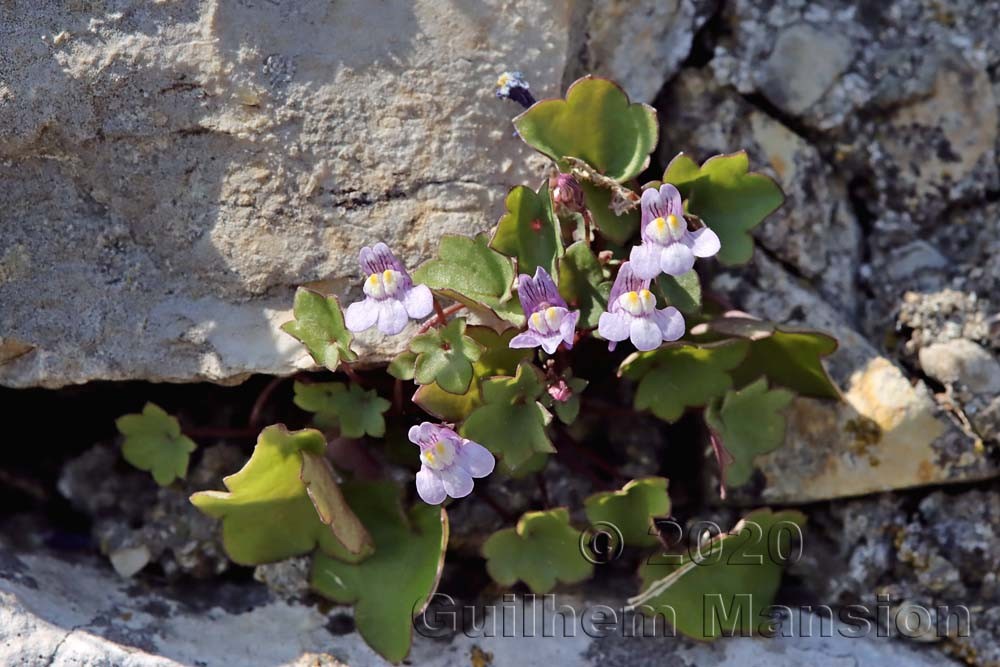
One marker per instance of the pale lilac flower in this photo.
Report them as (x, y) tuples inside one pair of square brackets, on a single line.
[(632, 314), (667, 245), (550, 321), (391, 298), (448, 462)]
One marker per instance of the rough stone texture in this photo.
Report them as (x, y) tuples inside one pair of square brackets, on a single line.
[(642, 44), (55, 612), (136, 522), (887, 434), (171, 171), (936, 550), (815, 231)]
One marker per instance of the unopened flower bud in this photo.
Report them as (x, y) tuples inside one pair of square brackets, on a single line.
[(560, 391), (567, 194), (512, 86)]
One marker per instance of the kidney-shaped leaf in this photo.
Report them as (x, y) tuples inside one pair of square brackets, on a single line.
[(511, 422), (353, 410), (632, 509), (750, 423), (319, 325), (677, 377), (595, 123), (267, 514), (470, 272), (529, 231), (543, 549), (728, 197), (727, 585), (154, 442), (445, 356), (392, 586), (582, 284)]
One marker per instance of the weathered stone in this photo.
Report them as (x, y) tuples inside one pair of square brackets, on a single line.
[(815, 230), (887, 434), (54, 612), (642, 44), (938, 551), (804, 64), (962, 361), (171, 171)]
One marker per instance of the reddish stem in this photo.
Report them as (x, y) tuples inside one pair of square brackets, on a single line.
[(256, 413), (440, 317), (352, 374)]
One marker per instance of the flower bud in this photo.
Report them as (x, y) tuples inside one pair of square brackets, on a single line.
[(567, 195)]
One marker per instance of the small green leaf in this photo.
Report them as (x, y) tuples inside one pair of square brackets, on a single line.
[(582, 284), (392, 586), (682, 292), (595, 123), (788, 357), (497, 359), (353, 410), (267, 514), (750, 424), (727, 197), (543, 549), (445, 356), (616, 228), (729, 587), (319, 325), (154, 443), (677, 377), (511, 423), (632, 509), (529, 231), (470, 272), (403, 365)]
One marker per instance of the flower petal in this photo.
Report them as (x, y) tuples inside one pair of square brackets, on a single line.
[(525, 340), (645, 260), (703, 242), (671, 323), (457, 481), (614, 326), (547, 287), (568, 328), (430, 487), (671, 198), (645, 334), (550, 343), (418, 301), (652, 205), (391, 316), (625, 281), (476, 459), (361, 315), (676, 259)]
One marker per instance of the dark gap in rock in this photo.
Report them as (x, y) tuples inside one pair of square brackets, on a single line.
[(765, 106), (705, 39), (860, 195), (786, 265)]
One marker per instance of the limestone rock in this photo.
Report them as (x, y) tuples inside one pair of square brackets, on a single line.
[(962, 361), (642, 44), (804, 64), (815, 230), (56, 612), (889, 433), (171, 171)]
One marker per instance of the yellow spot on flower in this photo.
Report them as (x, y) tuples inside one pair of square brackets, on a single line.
[(674, 222), (503, 80)]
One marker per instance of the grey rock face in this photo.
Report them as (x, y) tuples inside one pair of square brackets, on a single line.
[(641, 45), (61, 613), (171, 171)]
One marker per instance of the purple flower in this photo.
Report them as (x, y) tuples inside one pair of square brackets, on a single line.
[(448, 462), (632, 314), (667, 245), (391, 298), (550, 321)]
